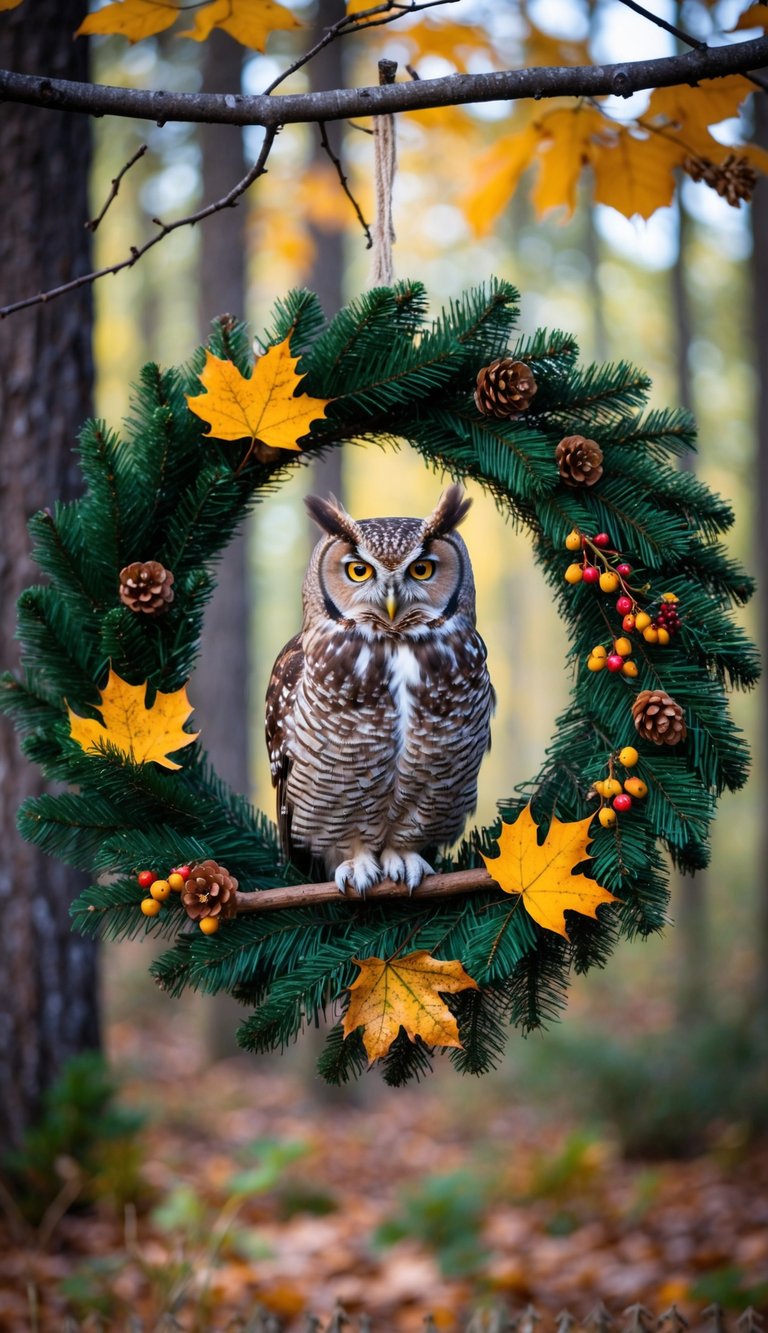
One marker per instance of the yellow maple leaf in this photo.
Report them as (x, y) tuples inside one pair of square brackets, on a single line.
[(260, 408), (143, 734), (405, 993), (635, 174), (250, 22), (754, 17), (695, 108), (542, 875), (496, 175), (567, 146), (9, 4), (133, 19), (455, 42)]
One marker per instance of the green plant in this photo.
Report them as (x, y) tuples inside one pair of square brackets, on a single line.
[(445, 1214), (84, 1145)]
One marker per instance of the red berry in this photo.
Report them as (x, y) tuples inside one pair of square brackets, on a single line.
[(146, 877), (628, 624), (182, 870), (602, 540), (591, 574), (624, 569), (614, 662), (622, 802), (623, 605)]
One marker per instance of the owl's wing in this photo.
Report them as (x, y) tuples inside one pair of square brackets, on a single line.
[(280, 695)]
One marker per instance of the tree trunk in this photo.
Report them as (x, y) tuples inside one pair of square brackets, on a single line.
[(47, 974), (760, 318)]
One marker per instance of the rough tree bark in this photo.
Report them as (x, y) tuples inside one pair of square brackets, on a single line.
[(47, 975)]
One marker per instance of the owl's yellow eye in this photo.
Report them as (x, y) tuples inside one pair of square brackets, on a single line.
[(422, 569), (358, 571)]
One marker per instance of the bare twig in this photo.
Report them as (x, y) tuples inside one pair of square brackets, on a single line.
[(94, 222), (682, 36), (620, 80), (165, 228), (345, 184), (301, 895)]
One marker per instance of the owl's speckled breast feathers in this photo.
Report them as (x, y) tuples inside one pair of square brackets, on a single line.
[(378, 712)]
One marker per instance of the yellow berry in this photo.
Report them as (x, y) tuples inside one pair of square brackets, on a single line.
[(628, 756), (209, 925), (651, 634), (599, 787), (611, 787), (663, 634), (573, 574), (669, 597), (176, 881), (150, 906), (623, 647), (607, 817), (609, 581), (573, 541), (160, 890), (599, 651), (642, 620), (595, 663), (629, 669), (636, 787)]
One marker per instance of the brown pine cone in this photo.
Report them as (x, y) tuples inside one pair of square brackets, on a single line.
[(580, 461), (505, 388), (145, 586), (733, 178), (658, 718), (209, 891)]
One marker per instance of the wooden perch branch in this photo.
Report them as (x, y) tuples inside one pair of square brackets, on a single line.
[(303, 895), (621, 80)]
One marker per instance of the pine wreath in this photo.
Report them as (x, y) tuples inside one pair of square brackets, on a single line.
[(569, 455)]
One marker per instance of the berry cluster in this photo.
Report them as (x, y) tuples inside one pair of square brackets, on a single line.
[(595, 553), (160, 889), (619, 658), (657, 627), (617, 795)]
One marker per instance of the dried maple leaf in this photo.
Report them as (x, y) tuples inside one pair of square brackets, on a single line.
[(133, 19), (142, 734), (250, 22), (260, 408), (542, 875), (404, 992)]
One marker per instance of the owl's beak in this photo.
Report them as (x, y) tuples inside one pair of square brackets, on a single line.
[(391, 604)]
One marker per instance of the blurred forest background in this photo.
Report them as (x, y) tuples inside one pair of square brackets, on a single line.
[(622, 1154)]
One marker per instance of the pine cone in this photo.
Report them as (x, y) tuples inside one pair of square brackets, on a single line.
[(580, 460), (733, 179), (209, 891), (658, 718), (145, 586), (505, 388)]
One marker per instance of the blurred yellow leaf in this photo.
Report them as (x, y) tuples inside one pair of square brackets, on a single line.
[(9, 4), (250, 22), (143, 734), (132, 19), (496, 175), (567, 146), (454, 42), (635, 175), (695, 108), (405, 992), (260, 408), (543, 875), (754, 17), (541, 48)]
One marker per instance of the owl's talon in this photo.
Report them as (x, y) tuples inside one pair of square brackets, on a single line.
[(392, 866), (416, 868), (360, 872)]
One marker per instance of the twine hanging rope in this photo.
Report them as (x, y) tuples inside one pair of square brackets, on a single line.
[(384, 163)]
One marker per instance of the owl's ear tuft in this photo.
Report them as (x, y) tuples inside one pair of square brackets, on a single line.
[(450, 510), (333, 518)]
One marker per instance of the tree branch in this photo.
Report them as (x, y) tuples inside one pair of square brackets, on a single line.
[(620, 80), (93, 223), (301, 895), (228, 200)]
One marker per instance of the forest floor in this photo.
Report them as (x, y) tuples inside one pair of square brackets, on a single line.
[(251, 1185)]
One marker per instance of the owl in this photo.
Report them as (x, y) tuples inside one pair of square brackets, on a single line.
[(378, 711)]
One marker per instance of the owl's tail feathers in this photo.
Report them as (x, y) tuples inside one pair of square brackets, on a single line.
[(450, 510), (332, 517)]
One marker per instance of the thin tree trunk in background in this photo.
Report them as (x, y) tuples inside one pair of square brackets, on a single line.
[(327, 275), (689, 894), (221, 682), (760, 328), (48, 977)]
